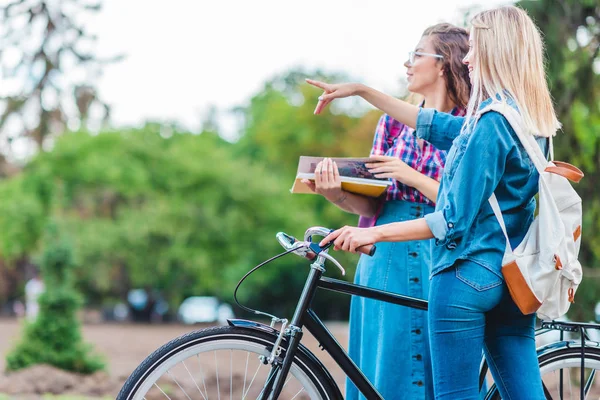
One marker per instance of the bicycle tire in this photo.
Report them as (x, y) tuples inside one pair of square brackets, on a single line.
[(316, 382), (562, 358)]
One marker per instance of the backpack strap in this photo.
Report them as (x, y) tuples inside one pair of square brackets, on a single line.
[(529, 144), (527, 140), (496, 207)]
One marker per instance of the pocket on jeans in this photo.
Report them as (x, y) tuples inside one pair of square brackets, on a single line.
[(477, 276)]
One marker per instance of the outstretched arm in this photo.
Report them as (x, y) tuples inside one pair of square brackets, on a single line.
[(436, 127), (397, 109)]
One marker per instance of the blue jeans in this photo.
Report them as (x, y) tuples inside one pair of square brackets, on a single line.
[(471, 309)]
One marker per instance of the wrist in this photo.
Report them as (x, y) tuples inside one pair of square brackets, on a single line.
[(412, 178), (359, 89), (378, 234), (341, 198)]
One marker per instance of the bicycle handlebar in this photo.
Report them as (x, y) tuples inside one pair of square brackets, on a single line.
[(310, 250)]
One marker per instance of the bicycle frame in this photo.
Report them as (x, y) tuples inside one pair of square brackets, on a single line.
[(304, 316)]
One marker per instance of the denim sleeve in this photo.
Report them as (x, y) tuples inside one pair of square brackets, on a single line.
[(479, 168), (438, 128)]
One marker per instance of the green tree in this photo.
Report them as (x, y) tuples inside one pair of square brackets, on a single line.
[(54, 337), (46, 59), (181, 214)]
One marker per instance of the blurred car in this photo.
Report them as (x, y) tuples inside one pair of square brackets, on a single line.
[(204, 309)]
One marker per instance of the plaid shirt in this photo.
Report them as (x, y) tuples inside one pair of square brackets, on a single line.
[(392, 138)]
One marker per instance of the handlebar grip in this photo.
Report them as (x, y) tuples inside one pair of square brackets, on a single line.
[(368, 249)]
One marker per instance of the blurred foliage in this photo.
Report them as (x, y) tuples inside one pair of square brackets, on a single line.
[(54, 337), (185, 214), (571, 30)]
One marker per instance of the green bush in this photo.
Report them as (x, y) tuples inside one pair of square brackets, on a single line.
[(54, 337)]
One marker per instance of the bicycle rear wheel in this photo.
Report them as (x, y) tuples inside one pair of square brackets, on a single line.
[(561, 374), (223, 362)]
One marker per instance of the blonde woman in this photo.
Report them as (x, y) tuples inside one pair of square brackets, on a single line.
[(470, 307)]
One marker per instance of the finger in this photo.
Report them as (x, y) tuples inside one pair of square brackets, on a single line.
[(352, 245), (381, 158), (323, 176), (321, 105), (328, 97), (318, 84), (310, 184), (346, 245), (331, 237), (384, 175), (387, 168), (340, 241), (377, 164), (329, 173), (319, 173), (336, 172)]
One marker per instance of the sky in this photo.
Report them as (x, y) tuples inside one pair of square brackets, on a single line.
[(183, 56)]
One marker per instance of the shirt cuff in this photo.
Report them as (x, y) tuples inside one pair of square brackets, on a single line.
[(424, 121), (441, 229)]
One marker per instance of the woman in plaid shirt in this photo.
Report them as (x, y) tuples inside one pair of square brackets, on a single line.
[(388, 342)]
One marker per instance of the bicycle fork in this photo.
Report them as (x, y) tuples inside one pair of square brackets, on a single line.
[(279, 371)]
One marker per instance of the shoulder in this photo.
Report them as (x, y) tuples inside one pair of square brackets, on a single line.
[(494, 121), (493, 128)]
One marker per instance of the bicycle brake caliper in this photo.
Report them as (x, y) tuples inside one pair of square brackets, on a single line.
[(276, 348)]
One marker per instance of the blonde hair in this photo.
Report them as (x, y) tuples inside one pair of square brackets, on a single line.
[(510, 63)]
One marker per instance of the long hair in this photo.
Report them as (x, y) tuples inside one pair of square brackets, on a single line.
[(509, 63), (452, 43)]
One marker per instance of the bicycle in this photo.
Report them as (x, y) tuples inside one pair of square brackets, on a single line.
[(282, 367)]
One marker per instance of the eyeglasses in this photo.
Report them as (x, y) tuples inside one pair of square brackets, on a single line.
[(413, 54)]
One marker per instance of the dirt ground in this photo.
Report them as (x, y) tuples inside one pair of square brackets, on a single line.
[(124, 346)]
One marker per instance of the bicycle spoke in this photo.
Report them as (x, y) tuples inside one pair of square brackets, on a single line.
[(173, 373), (177, 383), (245, 374), (162, 391), (194, 379), (269, 382), (217, 371), (252, 381), (296, 395), (202, 375)]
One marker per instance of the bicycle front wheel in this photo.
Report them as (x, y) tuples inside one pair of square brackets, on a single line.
[(561, 374), (223, 362)]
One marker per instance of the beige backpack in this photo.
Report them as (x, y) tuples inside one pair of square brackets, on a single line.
[(543, 272)]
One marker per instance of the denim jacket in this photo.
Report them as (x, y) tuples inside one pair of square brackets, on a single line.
[(481, 161)]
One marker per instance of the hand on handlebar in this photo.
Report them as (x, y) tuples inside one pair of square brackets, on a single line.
[(351, 239)]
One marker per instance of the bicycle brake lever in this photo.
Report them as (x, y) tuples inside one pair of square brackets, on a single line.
[(333, 260)]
